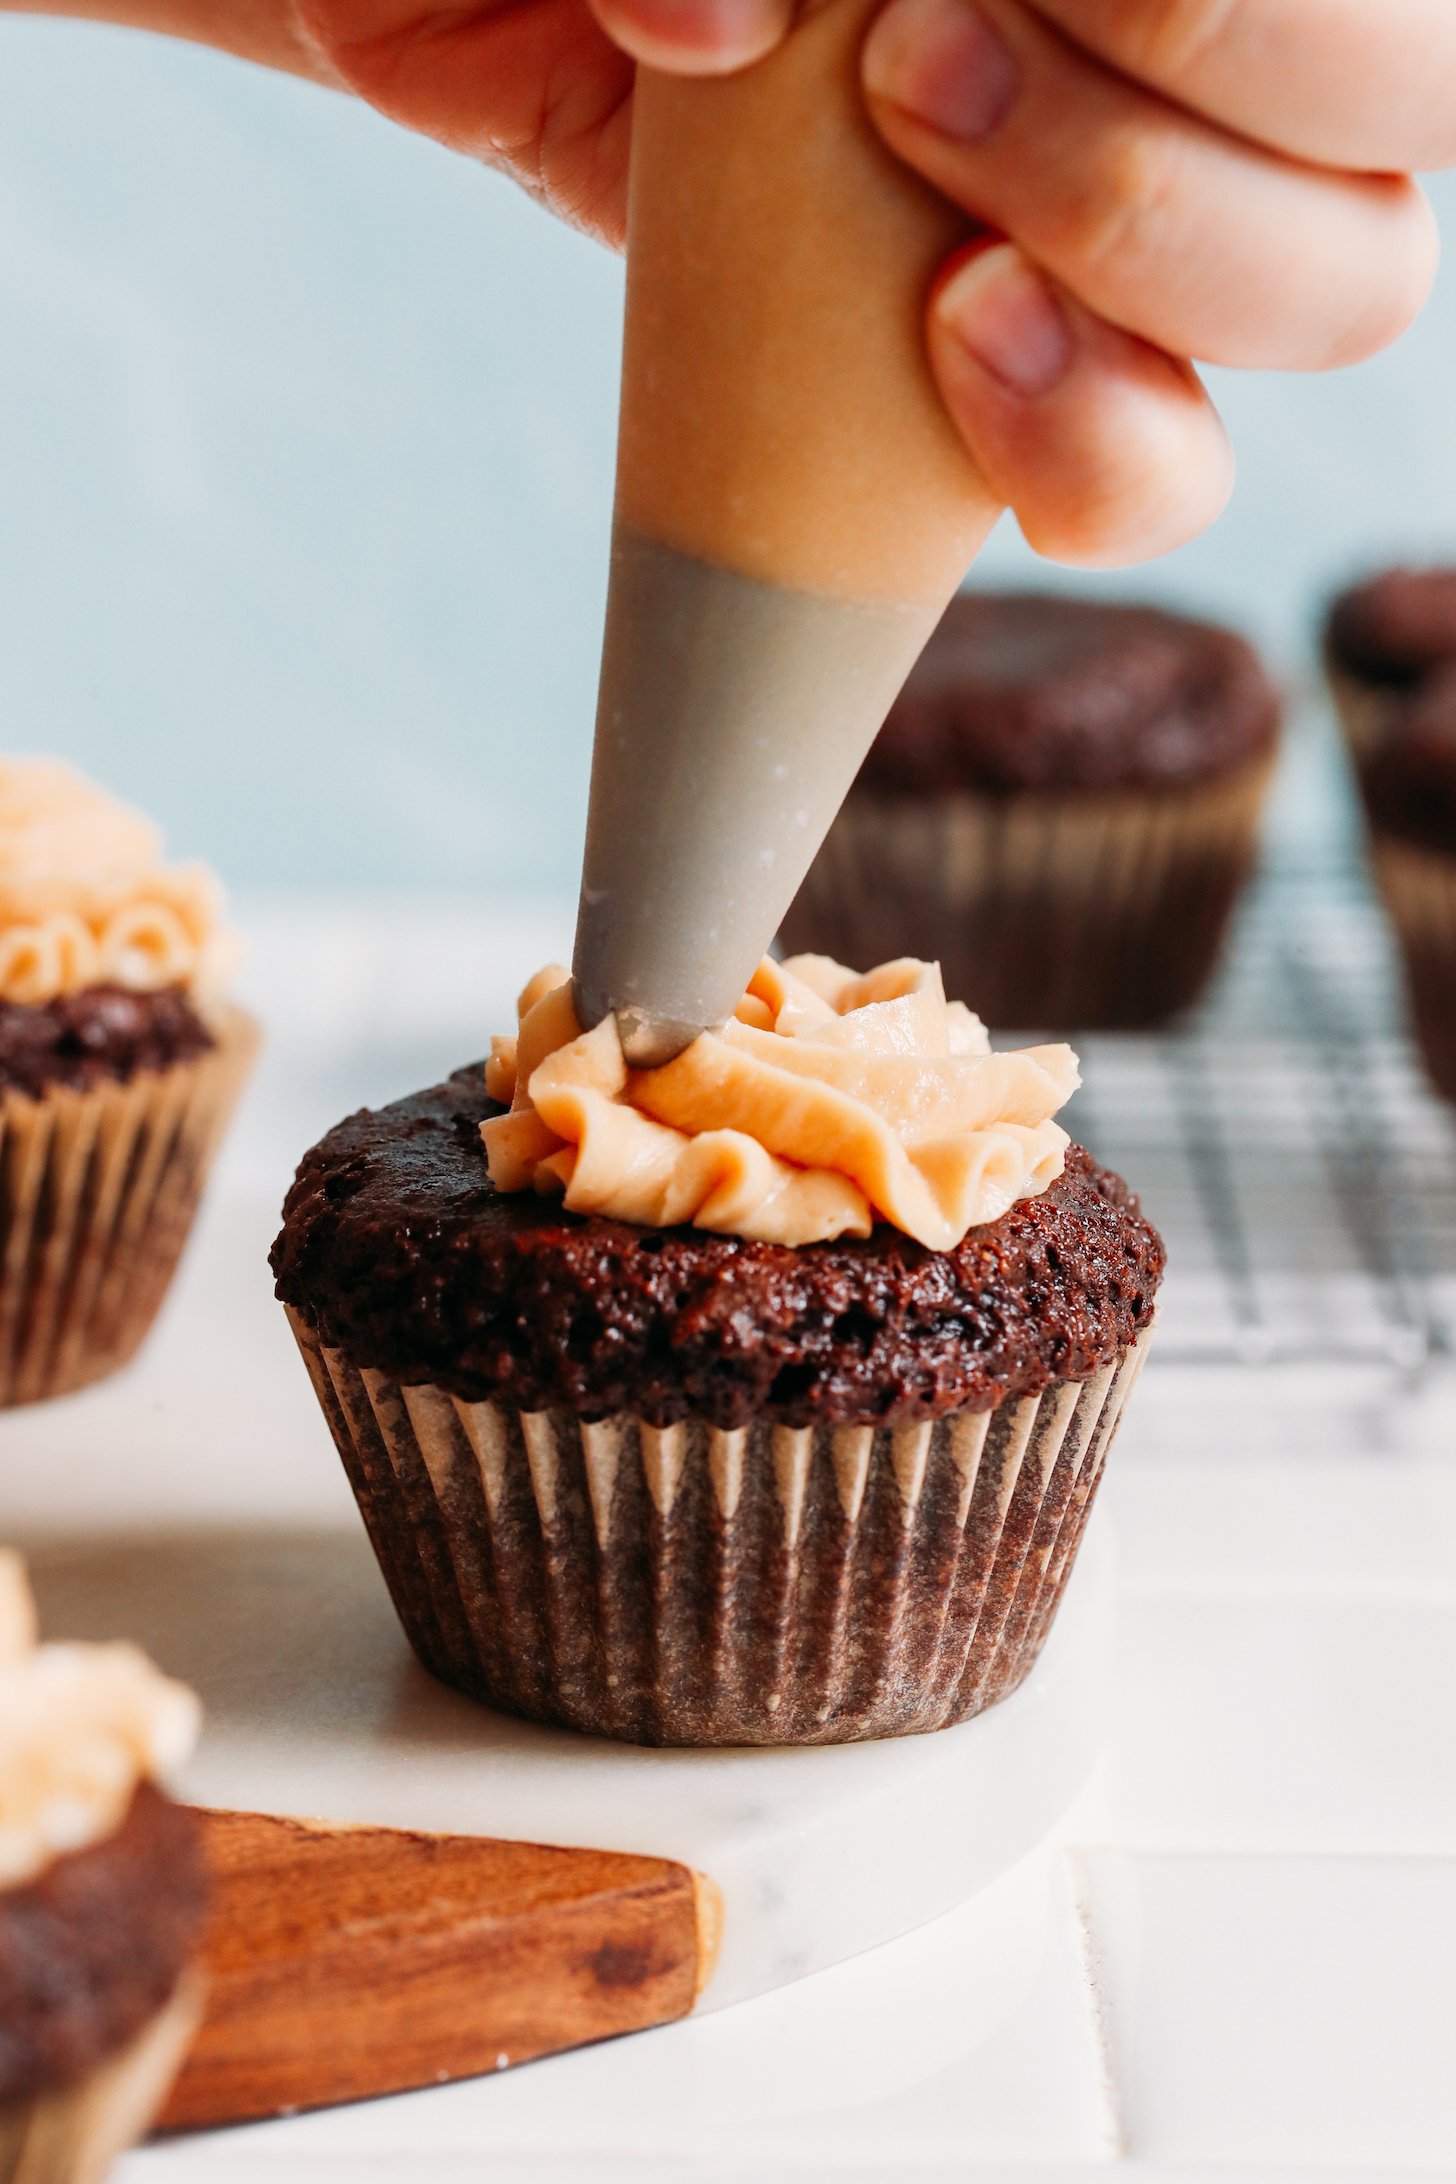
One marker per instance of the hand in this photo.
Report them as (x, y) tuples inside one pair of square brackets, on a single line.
[(1178, 179), (1157, 180)]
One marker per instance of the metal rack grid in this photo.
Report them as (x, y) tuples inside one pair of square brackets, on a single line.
[(1286, 1143)]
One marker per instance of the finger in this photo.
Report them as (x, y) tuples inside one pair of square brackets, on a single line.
[(1203, 244), (1347, 83), (695, 37), (537, 91), (1108, 451)]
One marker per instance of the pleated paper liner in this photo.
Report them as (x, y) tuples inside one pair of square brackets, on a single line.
[(688, 1586), (1419, 889), (1079, 911), (73, 2136), (97, 1194)]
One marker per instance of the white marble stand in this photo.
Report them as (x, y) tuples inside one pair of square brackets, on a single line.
[(315, 1706)]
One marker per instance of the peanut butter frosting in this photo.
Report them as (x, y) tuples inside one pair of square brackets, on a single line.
[(828, 1102), (81, 1726), (86, 900)]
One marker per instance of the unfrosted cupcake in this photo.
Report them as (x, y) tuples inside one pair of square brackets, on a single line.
[(1390, 654), (120, 1062), (1408, 785), (1384, 638), (756, 1399), (102, 1897), (1062, 807)]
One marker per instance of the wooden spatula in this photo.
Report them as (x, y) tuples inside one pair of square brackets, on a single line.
[(344, 1962)]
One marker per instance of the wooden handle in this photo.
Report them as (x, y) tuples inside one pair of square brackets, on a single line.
[(345, 1962)]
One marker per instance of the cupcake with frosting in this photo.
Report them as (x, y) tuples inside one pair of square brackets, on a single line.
[(120, 1062), (756, 1399), (102, 1897), (1062, 807)]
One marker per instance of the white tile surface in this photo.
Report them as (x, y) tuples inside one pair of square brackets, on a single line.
[(1292, 1413), (1319, 1726), (1307, 1526), (1297, 2010)]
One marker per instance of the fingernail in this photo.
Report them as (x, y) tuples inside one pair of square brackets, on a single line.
[(697, 36), (944, 62), (999, 308)]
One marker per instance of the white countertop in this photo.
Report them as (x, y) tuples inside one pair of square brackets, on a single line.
[(1236, 1956)]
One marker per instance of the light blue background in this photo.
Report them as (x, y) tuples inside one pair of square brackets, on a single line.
[(305, 469)]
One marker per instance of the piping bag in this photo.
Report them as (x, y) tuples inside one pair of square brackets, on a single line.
[(793, 511)]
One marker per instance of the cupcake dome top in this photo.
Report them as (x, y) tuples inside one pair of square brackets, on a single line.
[(398, 1251), (1032, 691), (1393, 628), (81, 1728), (86, 899)]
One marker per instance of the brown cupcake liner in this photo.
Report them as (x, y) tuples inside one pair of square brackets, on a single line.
[(688, 1586), (1419, 890), (1089, 912), (1416, 883), (73, 2136), (97, 1194)]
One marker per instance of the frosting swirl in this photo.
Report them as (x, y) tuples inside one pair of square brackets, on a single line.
[(829, 1101), (85, 899), (80, 1727)]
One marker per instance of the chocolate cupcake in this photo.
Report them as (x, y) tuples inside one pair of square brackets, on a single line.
[(102, 1897), (119, 1066), (757, 1399), (1390, 654), (1407, 776), (1061, 807), (1383, 638)]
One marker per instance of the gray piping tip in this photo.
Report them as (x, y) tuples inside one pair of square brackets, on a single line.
[(732, 718), (647, 1040)]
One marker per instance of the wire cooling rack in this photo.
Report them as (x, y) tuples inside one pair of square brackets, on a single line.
[(1286, 1142)]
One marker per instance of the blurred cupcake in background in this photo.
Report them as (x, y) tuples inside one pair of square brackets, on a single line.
[(1408, 785), (1061, 807), (1390, 654), (102, 1897), (1383, 639), (120, 1063)]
